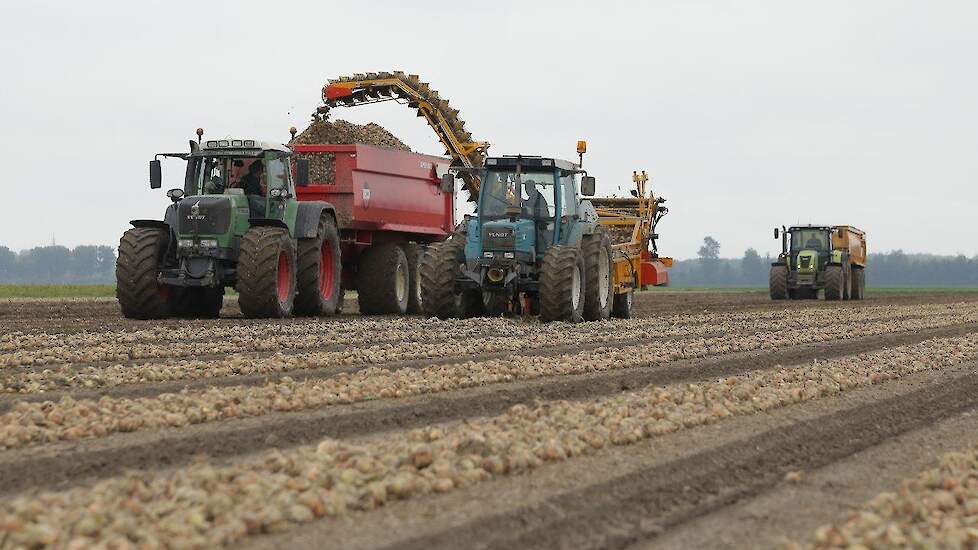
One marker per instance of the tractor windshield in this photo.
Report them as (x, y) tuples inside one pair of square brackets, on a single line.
[(533, 194), (253, 175), (809, 239)]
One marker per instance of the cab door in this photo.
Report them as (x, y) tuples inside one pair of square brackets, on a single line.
[(280, 195)]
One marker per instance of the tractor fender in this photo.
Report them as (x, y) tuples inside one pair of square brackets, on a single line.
[(307, 218), (153, 224)]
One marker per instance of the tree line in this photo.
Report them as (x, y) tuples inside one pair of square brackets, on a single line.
[(96, 264), (886, 269), (58, 265)]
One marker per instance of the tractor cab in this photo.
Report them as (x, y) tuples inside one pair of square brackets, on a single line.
[(807, 249)]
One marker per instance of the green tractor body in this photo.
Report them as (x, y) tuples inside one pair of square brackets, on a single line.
[(814, 258), (235, 223), (532, 248)]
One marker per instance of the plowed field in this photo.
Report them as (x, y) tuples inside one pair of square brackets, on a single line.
[(709, 420)]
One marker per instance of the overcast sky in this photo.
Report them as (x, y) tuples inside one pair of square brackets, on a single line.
[(747, 114)]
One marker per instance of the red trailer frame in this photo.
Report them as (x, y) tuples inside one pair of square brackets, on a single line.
[(380, 196)]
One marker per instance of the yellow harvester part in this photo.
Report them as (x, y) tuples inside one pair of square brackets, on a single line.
[(361, 89), (631, 223)]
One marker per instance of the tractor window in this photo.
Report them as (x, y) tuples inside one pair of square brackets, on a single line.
[(534, 194), (277, 172), (809, 239), (569, 187)]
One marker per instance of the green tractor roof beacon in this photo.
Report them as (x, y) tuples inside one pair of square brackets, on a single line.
[(817, 257), (236, 222), (534, 247)]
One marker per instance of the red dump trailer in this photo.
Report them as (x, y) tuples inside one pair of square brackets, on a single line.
[(389, 205)]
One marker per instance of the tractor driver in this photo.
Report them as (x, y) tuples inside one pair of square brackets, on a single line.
[(535, 203), (251, 182), (814, 242)]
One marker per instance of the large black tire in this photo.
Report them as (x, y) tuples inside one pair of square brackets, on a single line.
[(847, 283), (858, 283), (266, 273), (383, 280), (834, 282), (622, 306), (778, 282), (439, 268), (138, 290), (319, 291), (414, 252), (599, 275), (562, 285)]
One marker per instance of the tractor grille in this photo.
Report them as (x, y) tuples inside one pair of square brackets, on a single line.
[(498, 238), (204, 215), (806, 262)]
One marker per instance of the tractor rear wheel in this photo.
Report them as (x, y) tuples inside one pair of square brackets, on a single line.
[(599, 274), (778, 282), (834, 282), (266, 273), (320, 271), (383, 280), (622, 308), (138, 290), (439, 267), (414, 252), (562, 285)]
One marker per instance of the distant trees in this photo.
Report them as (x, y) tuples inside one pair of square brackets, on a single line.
[(58, 264), (893, 269)]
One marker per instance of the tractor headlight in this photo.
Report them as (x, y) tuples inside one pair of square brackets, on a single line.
[(185, 243), (208, 243), (509, 255), (487, 255)]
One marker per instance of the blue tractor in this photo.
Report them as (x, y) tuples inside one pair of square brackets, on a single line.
[(534, 247)]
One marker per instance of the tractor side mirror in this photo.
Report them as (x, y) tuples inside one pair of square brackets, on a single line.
[(155, 174), (587, 186), (301, 172), (776, 233), (447, 183)]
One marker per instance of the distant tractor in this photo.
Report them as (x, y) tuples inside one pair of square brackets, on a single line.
[(536, 247), (248, 218), (814, 258)]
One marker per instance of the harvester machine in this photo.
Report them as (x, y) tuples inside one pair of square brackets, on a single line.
[(363, 89)]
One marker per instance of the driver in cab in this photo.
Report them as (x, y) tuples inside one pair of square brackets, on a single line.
[(252, 182)]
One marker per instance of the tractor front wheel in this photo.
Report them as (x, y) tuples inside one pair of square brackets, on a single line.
[(562, 285), (834, 282), (438, 270), (267, 273), (598, 267), (138, 290), (320, 272), (778, 282)]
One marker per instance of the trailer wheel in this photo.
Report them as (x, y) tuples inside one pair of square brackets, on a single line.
[(414, 253), (598, 269), (778, 282), (562, 285), (834, 282), (439, 267), (383, 280), (320, 271), (858, 283), (847, 283), (622, 308), (266, 273), (196, 302), (138, 290)]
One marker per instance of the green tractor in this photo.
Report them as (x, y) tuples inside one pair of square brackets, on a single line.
[(817, 258), (235, 223), (534, 247)]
